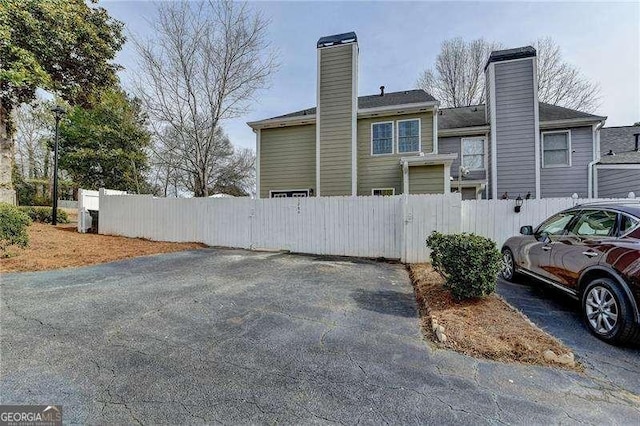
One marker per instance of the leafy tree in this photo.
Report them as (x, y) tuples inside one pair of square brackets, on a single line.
[(65, 46), (106, 145)]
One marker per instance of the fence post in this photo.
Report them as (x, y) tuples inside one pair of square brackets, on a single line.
[(405, 208)]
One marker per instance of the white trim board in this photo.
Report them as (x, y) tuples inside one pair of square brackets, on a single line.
[(618, 166), (318, 126), (536, 128), (258, 135), (434, 123), (494, 142), (354, 120)]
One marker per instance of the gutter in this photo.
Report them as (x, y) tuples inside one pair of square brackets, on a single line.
[(596, 158), (298, 120)]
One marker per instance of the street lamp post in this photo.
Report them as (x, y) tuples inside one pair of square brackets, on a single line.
[(58, 112)]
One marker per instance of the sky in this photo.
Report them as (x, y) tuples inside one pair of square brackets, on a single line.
[(398, 40)]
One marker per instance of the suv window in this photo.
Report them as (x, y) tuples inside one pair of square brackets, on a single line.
[(627, 223), (592, 223), (556, 224)]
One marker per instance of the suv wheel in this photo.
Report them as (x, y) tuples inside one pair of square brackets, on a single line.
[(607, 312), (508, 265)]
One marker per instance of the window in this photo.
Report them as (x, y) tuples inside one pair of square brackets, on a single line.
[(383, 191), (595, 223), (556, 225), (627, 224), (473, 153), (286, 193), (382, 138), (409, 135), (556, 149)]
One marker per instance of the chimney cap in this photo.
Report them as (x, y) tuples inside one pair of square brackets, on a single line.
[(335, 39), (509, 54)]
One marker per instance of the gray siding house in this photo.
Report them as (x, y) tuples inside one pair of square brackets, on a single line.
[(402, 142), (618, 171)]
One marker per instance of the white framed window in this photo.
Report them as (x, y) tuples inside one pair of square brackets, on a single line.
[(383, 191), (556, 149), (473, 154), (286, 193), (408, 135), (382, 138)]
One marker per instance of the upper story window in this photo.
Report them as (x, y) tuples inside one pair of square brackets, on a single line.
[(409, 135), (382, 138), (556, 149), (472, 156)]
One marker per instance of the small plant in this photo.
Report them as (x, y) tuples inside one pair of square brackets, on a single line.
[(43, 214), (13, 228), (469, 263)]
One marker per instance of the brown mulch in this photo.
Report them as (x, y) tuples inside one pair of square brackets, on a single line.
[(486, 328), (54, 247)]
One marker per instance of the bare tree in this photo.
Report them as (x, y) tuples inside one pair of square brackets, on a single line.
[(458, 76), (203, 66), (560, 83), (33, 131)]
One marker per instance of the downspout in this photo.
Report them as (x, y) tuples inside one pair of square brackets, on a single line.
[(596, 158), (434, 122)]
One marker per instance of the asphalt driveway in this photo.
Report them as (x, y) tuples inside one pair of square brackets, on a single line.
[(227, 336), (559, 314)]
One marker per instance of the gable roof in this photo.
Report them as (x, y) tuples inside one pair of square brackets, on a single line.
[(448, 118), (376, 101), (472, 116), (621, 141)]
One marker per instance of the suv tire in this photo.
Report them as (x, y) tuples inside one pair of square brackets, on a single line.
[(508, 265), (608, 313)]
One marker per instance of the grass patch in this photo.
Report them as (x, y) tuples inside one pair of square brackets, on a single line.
[(55, 247), (485, 328)]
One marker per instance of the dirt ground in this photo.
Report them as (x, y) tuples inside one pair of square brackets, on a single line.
[(54, 247), (487, 328)]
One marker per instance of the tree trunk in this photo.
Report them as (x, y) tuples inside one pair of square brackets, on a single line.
[(7, 194)]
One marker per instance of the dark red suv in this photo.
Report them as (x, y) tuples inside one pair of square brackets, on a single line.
[(592, 252)]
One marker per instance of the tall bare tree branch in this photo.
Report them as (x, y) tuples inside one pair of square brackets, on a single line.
[(204, 65), (458, 76)]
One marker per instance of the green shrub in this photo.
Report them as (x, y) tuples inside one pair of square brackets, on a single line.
[(469, 263), (43, 214), (13, 227)]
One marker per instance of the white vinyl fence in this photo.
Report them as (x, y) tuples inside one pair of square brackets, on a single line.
[(390, 227), (90, 200)]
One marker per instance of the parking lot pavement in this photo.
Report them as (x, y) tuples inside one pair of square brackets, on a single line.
[(228, 336), (559, 314)]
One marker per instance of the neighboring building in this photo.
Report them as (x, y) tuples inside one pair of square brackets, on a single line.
[(401, 142), (618, 171)]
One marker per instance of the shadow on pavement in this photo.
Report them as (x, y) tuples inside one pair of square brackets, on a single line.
[(386, 302)]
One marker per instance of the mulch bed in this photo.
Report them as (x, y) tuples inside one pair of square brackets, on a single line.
[(485, 328), (54, 247)]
